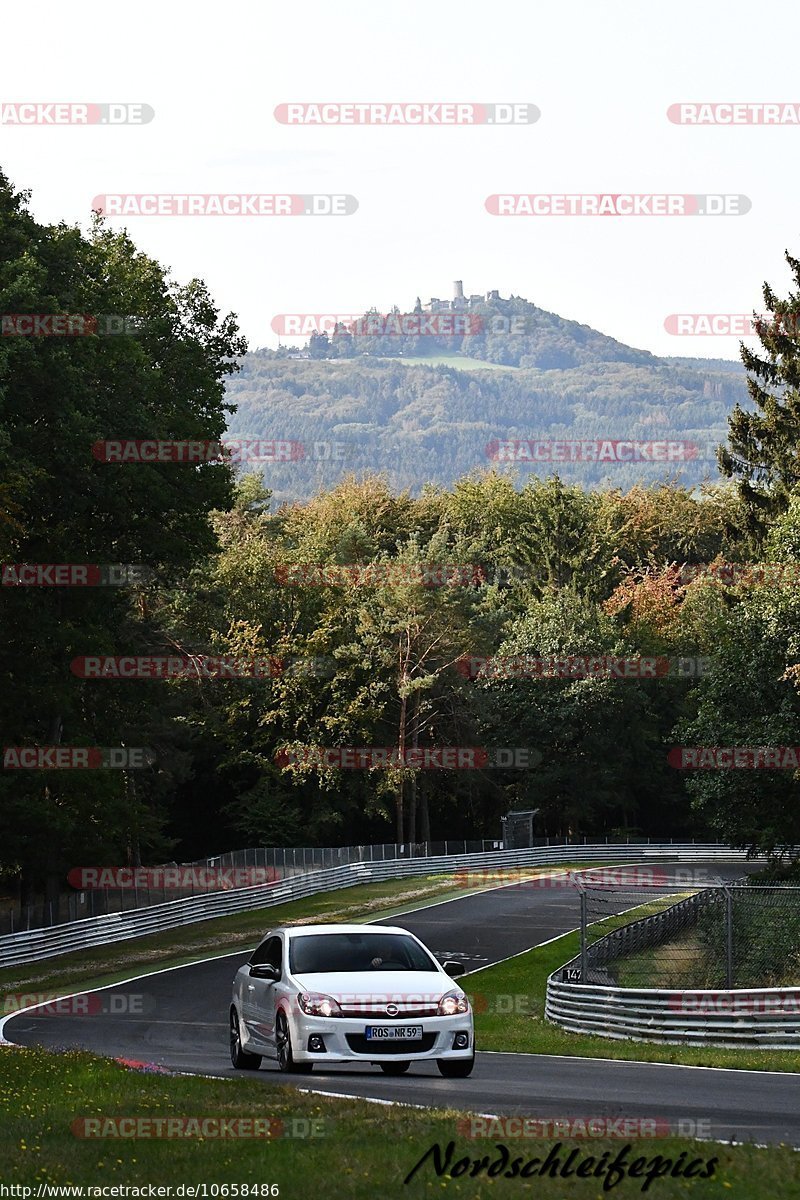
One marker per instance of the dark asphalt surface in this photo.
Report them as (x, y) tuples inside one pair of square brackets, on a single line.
[(178, 1019)]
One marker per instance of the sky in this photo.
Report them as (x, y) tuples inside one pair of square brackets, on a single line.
[(602, 75)]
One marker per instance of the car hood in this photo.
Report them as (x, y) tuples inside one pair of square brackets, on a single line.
[(375, 987)]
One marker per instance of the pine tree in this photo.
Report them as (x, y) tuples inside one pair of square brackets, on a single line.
[(764, 444)]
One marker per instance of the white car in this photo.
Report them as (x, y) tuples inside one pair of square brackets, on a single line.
[(347, 994)]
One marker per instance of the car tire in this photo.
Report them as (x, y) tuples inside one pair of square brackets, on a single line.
[(283, 1047), (455, 1068), (241, 1059), (394, 1068)]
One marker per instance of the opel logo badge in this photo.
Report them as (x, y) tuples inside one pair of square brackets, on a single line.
[(392, 1010)]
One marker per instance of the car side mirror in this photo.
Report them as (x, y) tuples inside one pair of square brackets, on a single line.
[(264, 971), (452, 968)]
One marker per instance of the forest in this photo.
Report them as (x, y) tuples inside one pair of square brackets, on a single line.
[(491, 611)]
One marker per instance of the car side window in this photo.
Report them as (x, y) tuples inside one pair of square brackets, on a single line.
[(268, 952), (274, 952)]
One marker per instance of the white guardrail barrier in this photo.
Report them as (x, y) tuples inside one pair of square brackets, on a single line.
[(36, 944), (765, 1018)]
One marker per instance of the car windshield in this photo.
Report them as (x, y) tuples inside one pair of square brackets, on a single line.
[(358, 952)]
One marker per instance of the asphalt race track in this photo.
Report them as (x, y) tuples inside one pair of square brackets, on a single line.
[(178, 1018)]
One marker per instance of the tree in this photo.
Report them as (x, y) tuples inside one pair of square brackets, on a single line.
[(762, 454), (319, 345), (163, 378), (601, 766), (750, 699)]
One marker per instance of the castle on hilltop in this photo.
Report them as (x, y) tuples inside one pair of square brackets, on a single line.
[(459, 301)]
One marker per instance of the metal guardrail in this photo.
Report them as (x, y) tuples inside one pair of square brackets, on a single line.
[(268, 862), (260, 863), (765, 1018), (36, 944)]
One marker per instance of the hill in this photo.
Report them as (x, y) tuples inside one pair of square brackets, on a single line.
[(422, 408)]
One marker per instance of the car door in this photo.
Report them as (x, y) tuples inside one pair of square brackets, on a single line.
[(259, 1007)]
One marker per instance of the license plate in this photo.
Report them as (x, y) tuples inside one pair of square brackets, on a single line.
[(390, 1033)]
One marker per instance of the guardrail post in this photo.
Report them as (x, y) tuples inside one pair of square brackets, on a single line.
[(728, 938), (583, 937)]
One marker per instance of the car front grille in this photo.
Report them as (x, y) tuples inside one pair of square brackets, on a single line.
[(409, 1011), (362, 1045)]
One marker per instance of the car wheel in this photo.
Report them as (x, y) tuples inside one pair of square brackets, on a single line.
[(455, 1068), (283, 1045), (393, 1068), (240, 1058)]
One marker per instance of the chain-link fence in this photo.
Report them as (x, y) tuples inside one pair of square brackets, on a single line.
[(694, 932)]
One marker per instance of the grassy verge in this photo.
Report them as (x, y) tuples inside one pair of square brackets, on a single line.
[(509, 1015), (695, 958), (680, 963), (361, 1151)]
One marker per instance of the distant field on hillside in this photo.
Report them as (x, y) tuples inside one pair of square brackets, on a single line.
[(459, 361)]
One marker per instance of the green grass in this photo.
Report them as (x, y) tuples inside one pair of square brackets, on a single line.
[(362, 1152), (365, 1150), (766, 950), (679, 963), (504, 1022), (639, 969)]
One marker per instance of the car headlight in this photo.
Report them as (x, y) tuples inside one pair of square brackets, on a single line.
[(315, 1005), (453, 1003)]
